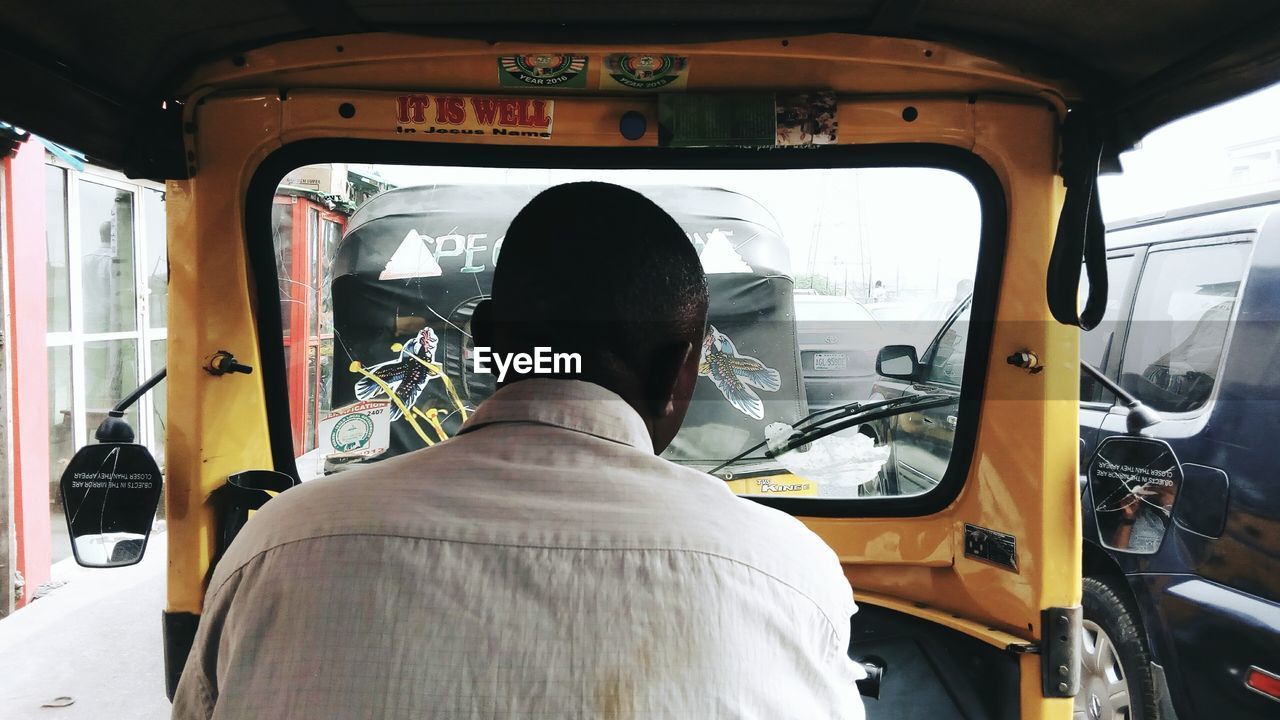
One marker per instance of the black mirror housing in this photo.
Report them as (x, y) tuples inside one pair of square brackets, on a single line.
[(898, 362), (1140, 418), (110, 492)]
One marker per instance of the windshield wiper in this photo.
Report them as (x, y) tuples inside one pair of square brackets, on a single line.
[(843, 417)]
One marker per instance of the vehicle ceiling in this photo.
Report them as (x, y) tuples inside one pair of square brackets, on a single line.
[(93, 75)]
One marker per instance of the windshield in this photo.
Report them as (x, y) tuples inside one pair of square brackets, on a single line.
[(381, 267)]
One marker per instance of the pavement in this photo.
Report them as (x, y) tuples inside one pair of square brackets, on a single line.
[(94, 640), (60, 548)]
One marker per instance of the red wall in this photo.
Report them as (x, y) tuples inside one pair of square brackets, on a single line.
[(28, 377)]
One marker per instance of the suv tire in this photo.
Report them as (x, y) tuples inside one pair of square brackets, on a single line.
[(1115, 671)]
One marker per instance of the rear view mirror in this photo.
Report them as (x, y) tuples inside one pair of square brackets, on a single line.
[(110, 492), (897, 361)]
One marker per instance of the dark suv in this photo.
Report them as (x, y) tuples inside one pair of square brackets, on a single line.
[(1181, 563)]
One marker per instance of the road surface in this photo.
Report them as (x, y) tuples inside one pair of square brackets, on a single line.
[(95, 640)]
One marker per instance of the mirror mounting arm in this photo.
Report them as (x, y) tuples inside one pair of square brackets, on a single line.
[(114, 428), (141, 390), (1140, 416)]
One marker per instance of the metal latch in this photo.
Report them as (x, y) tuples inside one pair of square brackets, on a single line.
[(1060, 651)]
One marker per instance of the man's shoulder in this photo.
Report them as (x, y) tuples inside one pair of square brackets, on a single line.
[(769, 540)]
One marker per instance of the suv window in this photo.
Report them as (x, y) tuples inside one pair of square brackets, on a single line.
[(1097, 345), (1181, 313)]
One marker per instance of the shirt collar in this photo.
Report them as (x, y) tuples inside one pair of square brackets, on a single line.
[(570, 404)]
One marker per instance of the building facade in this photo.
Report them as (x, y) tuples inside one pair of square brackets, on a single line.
[(85, 309), (85, 316)]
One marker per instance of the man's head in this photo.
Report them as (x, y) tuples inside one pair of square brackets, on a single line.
[(600, 270)]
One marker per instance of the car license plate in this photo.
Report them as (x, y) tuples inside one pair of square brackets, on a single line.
[(830, 361)]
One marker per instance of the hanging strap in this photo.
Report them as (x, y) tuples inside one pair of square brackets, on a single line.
[(1081, 233)]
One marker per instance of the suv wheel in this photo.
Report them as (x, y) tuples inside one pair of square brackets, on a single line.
[(1115, 672)]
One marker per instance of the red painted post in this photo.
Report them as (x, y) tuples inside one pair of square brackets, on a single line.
[(28, 357)]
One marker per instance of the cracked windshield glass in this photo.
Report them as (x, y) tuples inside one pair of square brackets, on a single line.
[(814, 274)]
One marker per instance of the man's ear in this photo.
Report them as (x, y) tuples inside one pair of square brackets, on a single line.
[(482, 324), (671, 372)]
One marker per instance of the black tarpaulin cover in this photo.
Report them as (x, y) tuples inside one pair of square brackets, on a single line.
[(415, 262)]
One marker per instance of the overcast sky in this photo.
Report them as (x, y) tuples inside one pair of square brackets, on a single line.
[(917, 229), (1189, 161)]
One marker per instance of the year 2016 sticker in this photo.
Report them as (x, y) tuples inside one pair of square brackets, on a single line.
[(444, 116), (644, 72), (543, 70)]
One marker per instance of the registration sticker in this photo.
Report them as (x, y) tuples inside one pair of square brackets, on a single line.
[(543, 70), (446, 116), (830, 361), (644, 72), (362, 429)]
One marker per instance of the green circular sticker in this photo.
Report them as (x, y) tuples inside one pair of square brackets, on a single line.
[(543, 68), (351, 432)]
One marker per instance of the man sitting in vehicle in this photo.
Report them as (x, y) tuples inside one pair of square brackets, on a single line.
[(545, 562)]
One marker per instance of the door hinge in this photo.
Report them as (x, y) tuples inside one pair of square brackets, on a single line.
[(1060, 651)]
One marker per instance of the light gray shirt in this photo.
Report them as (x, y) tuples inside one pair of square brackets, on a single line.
[(544, 563)]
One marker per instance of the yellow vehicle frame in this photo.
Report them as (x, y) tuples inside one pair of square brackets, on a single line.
[(1023, 476)]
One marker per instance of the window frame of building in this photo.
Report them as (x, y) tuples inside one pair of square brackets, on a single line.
[(143, 334), (306, 280)]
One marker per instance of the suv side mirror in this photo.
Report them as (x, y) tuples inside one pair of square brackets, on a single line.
[(898, 362)]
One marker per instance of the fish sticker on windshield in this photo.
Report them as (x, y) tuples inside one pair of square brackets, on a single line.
[(405, 377), (735, 374)]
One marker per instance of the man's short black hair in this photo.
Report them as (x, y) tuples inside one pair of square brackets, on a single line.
[(590, 266)]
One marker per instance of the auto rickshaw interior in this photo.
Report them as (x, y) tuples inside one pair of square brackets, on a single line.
[(806, 168), (375, 310)]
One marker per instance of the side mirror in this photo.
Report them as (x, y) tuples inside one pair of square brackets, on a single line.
[(110, 492), (1134, 482), (1140, 418), (897, 361)]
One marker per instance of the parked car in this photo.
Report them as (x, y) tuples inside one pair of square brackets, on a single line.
[(1182, 574), (838, 341)]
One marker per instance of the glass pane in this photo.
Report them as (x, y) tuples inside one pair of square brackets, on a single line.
[(1180, 318), (811, 272), (157, 275), (1097, 345), (282, 233), (106, 246), (111, 372), (946, 362), (311, 399), (314, 254), (58, 268), (62, 442), (326, 376), (158, 398), (330, 234)]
